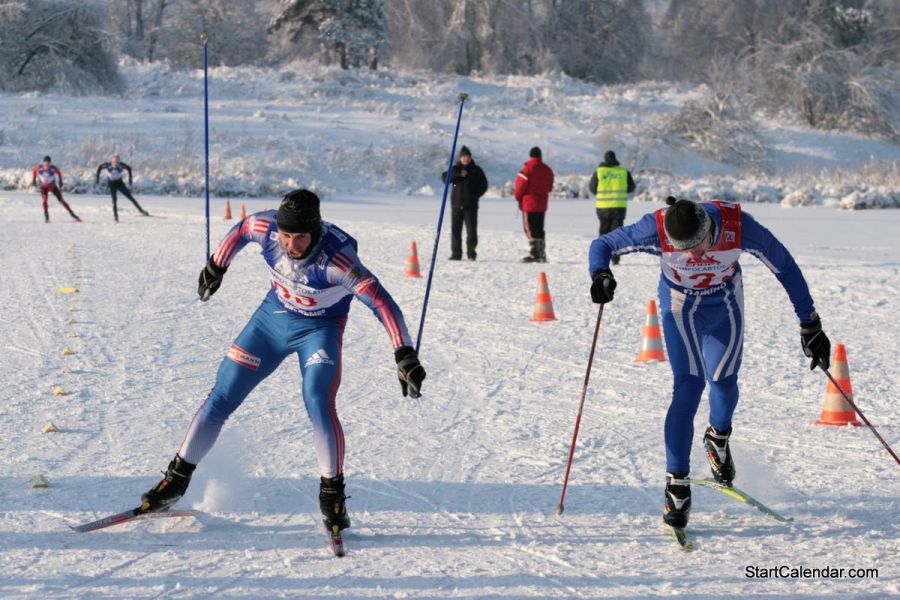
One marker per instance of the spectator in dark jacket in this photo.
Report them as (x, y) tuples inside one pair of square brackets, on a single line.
[(533, 185), (611, 184), (469, 184)]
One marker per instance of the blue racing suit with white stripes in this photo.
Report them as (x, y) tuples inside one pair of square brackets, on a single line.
[(702, 308), (304, 313)]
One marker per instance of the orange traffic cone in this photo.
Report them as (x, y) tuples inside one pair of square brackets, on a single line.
[(243, 214), (412, 262), (543, 304), (836, 410), (651, 337), (227, 215)]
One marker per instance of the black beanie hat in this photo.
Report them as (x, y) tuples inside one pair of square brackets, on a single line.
[(535, 152), (610, 157), (686, 223), (299, 213), (46, 159), (464, 151)]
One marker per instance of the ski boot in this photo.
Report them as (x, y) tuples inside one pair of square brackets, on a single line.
[(719, 455), (332, 503), (537, 252), (678, 499), (168, 491)]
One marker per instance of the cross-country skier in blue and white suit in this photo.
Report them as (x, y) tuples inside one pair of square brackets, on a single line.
[(702, 307), (315, 274)]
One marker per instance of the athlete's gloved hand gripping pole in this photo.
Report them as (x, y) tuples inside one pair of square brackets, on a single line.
[(210, 279), (410, 371), (817, 347)]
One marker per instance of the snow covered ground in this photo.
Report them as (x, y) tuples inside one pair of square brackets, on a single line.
[(453, 495), (390, 132)]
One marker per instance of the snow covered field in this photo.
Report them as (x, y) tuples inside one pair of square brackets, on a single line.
[(389, 132), (453, 495)]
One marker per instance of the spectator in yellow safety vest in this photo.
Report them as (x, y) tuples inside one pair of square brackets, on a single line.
[(611, 184)]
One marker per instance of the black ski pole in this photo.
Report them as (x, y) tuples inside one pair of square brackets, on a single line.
[(587, 376), (859, 412)]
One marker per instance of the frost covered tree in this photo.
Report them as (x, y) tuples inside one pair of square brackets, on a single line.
[(352, 33), (55, 45), (599, 40), (237, 33)]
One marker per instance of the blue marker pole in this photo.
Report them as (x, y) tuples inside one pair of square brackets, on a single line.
[(462, 100), (204, 38)]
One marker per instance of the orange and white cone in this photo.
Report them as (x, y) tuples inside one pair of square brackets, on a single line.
[(543, 303), (227, 215), (836, 410), (243, 214), (651, 337), (412, 262)]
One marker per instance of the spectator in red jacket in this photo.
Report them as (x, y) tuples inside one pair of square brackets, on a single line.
[(533, 185), (49, 178)]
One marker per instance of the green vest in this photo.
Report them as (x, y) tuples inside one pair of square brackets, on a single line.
[(612, 187)]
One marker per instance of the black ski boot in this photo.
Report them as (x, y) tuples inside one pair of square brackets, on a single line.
[(168, 491), (678, 499), (332, 503), (719, 454)]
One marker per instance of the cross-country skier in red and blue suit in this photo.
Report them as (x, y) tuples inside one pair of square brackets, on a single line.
[(702, 306), (315, 273)]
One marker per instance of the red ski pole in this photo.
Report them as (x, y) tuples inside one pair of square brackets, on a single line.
[(587, 376), (861, 416)]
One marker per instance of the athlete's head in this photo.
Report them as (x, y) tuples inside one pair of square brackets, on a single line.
[(688, 226), (115, 159), (47, 161), (299, 223)]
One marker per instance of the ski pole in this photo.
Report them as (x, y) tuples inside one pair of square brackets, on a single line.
[(587, 376), (462, 99), (861, 416), (205, 38)]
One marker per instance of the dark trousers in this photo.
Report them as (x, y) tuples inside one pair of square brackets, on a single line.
[(610, 220), (469, 216), (533, 223), (116, 186)]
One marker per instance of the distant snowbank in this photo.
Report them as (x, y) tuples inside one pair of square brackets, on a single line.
[(390, 132)]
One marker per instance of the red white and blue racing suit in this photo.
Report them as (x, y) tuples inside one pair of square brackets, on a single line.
[(304, 313), (702, 308)]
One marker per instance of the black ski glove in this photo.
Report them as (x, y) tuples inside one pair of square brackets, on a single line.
[(409, 371), (210, 279), (815, 343), (604, 286)]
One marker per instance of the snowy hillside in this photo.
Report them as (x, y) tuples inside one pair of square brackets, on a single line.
[(388, 131), (453, 495)]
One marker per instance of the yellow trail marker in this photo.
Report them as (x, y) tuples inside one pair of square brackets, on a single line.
[(40, 481), (69, 290), (67, 352), (50, 428), (59, 391)]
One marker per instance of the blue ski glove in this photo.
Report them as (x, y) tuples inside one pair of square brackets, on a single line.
[(409, 371), (815, 343), (210, 279)]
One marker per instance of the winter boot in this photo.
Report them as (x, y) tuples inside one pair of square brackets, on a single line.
[(332, 503), (542, 251), (678, 499), (535, 254), (719, 454), (168, 491)]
